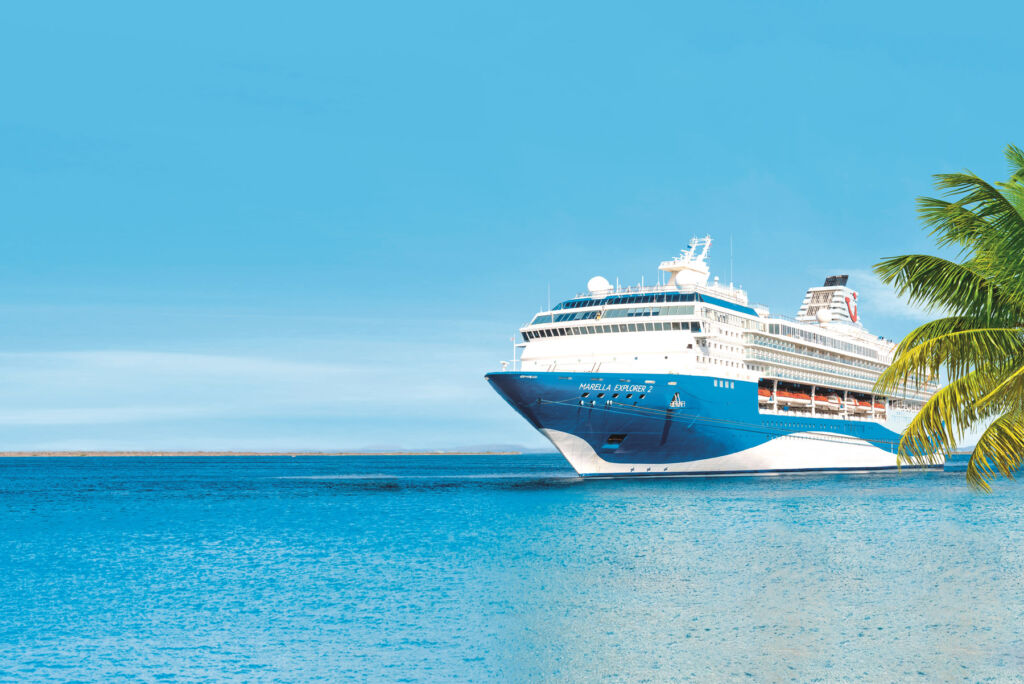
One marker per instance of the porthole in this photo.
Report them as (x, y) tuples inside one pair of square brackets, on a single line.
[(585, 395)]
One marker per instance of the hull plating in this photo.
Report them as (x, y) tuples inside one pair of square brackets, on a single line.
[(616, 424)]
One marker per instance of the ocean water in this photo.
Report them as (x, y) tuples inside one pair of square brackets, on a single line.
[(499, 567)]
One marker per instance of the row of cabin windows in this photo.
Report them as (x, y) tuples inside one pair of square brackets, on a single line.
[(810, 365), (629, 299), (622, 312), (811, 378), (823, 340), (720, 362), (804, 350), (693, 326), (659, 298), (570, 316)]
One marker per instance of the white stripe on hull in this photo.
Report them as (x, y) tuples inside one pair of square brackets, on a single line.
[(796, 452)]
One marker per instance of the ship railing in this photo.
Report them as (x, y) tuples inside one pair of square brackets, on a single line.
[(721, 291), (792, 319), (769, 343)]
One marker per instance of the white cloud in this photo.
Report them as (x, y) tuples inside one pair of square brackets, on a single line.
[(94, 415), (125, 386), (876, 298)]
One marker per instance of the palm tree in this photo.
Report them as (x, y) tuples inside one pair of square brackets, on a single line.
[(979, 341)]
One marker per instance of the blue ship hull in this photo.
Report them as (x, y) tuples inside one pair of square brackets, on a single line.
[(614, 424)]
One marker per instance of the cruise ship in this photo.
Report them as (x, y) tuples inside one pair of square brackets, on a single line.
[(688, 378)]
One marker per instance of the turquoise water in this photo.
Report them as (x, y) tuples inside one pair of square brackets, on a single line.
[(430, 568)]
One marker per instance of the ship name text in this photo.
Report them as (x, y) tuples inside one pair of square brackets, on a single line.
[(598, 387)]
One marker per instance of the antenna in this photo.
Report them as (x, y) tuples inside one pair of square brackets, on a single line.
[(549, 296), (730, 260)]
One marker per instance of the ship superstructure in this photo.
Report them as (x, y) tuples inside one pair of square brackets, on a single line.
[(688, 377)]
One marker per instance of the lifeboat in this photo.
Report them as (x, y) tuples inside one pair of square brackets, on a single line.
[(829, 402), (764, 394), (879, 405), (801, 398)]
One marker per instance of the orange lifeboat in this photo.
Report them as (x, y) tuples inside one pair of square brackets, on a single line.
[(801, 398)]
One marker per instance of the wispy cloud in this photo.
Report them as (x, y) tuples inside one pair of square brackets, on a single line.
[(103, 387), (876, 298), (96, 415)]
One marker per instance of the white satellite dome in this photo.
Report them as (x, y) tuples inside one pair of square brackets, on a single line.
[(689, 278), (824, 315), (598, 285)]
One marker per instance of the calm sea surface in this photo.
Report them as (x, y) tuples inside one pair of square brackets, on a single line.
[(477, 567)]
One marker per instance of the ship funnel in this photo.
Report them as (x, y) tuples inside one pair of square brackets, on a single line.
[(833, 301)]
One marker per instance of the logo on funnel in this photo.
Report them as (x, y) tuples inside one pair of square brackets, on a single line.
[(852, 306)]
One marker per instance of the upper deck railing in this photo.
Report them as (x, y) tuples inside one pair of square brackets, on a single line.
[(736, 294)]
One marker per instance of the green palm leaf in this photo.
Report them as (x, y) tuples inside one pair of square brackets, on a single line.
[(979, 344), (1000, 448), (958, 353), (939, 284)]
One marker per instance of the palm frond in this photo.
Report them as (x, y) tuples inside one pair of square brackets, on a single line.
[(931, 330), (978, 194), (987, 202), (1004, 390), (938, 284), (1015, 156), (950, 223), (979, 343), (1000, 448), (957, 351), (941, 423)]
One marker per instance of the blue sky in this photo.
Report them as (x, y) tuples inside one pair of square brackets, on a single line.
[(316, 225)]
